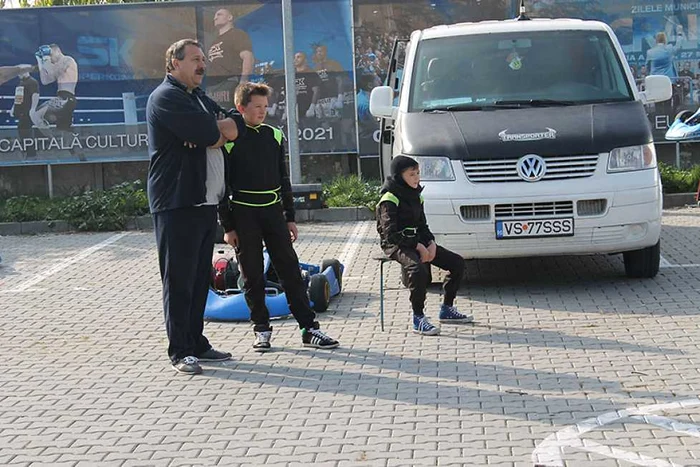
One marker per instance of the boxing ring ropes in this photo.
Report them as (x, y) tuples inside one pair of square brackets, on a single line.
[(129, 108)]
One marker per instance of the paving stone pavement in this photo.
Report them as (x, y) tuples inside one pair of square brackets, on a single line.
[(568, 363)]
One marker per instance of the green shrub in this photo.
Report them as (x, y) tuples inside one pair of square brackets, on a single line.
[(105, 210), (351, 190), (92, 210), (676, 180), (26, 209)]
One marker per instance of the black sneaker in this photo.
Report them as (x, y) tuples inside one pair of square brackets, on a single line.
[(262, 341), (313, 337), (188, 365), (213, 355)]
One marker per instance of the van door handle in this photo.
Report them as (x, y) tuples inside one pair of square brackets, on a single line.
[(388, 135)]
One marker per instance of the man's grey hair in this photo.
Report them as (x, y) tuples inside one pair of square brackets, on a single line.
[(177, 51)]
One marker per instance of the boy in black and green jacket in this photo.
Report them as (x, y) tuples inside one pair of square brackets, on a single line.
[(406, 238), (260, 207)]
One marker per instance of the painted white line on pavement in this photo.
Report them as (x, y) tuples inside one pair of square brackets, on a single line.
[(25, 287), (550, 452), (670, 424), (664, 263), (352, 244), (616, 453)]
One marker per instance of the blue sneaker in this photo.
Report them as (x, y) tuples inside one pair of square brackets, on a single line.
[(449, 314), (422, 326)]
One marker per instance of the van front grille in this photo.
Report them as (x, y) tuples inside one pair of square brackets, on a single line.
[(504, 170), (520, 210)]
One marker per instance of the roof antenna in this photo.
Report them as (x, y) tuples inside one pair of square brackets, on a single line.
[(523, 13)]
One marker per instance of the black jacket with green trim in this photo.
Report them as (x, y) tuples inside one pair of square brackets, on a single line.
[(398, 212), (256, 163)]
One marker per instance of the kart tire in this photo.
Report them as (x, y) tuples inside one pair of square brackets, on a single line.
[(404, 276), (337, 270), (643, 263), (231, 276), (320, 292)]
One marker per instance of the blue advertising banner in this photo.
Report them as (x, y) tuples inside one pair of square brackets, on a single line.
[(74, 81), (324, 78), (658, 37)]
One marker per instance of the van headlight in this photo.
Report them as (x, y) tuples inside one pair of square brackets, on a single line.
[(632, 158), (435, 168)]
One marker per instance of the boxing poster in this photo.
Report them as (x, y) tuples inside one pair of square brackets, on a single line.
[(74, 82), (245, 44)]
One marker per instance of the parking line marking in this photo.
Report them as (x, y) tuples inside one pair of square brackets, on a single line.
[(670, 424), (664, 263), (25, 287), (550, 452), (619, 454), (353, 243)]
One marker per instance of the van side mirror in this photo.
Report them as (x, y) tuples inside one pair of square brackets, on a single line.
[(657, 88), (381, 102)]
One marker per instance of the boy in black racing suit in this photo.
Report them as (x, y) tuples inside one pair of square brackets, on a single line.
[(406, 238), (261, 208)]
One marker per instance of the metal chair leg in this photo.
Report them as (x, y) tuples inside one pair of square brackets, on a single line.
[(381, 294)]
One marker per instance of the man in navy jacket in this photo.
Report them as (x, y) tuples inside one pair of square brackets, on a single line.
[(186, 130)]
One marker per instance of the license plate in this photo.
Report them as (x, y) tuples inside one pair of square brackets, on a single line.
[(535, 228)]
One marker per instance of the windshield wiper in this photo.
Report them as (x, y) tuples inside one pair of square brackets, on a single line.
[(534, 103), (449, 108), (471, 107)]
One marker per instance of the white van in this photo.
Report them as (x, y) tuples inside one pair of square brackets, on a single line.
[(532, 138)]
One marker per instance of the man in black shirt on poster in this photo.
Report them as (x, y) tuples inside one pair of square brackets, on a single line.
[(337, 118), (230, 58), (308, 86), (25, 103), (308, 90)]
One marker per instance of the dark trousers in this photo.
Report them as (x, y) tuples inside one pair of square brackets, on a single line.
[(185, 239), (25, 130), (417, 273), (268, 224)]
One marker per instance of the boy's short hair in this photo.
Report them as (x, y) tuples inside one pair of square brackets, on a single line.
[(245, 91)]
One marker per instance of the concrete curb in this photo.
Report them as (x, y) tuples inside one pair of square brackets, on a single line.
[(675, 200), (350, 214), (146, 222)]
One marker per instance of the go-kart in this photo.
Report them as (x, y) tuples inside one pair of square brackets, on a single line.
[(686, 126), (226, 301)]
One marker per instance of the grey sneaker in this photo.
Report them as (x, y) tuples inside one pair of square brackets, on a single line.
[(262, 341), (188, 365), (213, 355)]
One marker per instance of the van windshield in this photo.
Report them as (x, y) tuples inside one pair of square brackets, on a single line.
[(511, 70)]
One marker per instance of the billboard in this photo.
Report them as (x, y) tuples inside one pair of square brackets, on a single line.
[(378, 23), (74, 81), (324, 75), (658, 37)]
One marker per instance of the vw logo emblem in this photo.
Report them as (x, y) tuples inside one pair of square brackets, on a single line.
[(531, 168)]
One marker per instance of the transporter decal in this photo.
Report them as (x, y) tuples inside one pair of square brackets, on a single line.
[(506, 137)]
